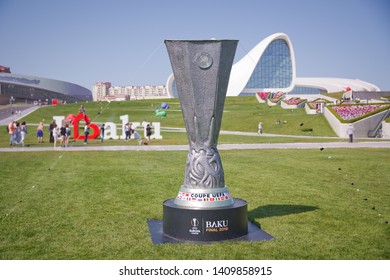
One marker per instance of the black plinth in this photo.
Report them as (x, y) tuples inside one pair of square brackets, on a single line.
[(205, 224)]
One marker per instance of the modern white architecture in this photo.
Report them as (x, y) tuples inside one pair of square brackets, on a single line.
[(270, 67)]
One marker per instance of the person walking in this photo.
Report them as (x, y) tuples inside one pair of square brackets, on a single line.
[(148, 132), (350, 132), (127, 131), (102, 128), (86, 133), (51, 127), (260, 128), (18, 133), (40, 132), (131, 129), (67, 135), (11, 131), (62, 135), (23, 133), (56, 134), (82, 110)]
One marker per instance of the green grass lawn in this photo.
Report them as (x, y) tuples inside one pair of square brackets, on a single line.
[(330, 204), (240, 114)]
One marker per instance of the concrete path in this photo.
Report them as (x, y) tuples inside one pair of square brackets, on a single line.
[(327, 145), (9, 114)]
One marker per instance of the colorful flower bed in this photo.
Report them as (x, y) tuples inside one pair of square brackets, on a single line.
[(349, 112), (294, 101), (263, 95), (277, 97)]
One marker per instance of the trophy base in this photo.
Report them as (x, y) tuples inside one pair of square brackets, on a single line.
[(195, 224)]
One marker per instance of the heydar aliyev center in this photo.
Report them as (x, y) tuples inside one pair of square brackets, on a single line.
[(270, 67)]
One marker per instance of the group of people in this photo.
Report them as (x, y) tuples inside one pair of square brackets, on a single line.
[(129, 131), (17, 132), (60, 135)]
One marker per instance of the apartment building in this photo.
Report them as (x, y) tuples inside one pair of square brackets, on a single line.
[(105, 91)]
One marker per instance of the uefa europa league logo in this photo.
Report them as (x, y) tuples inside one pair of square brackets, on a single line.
[(202, 70)]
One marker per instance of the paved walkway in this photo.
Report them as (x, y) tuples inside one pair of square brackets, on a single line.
[(327, 145), (9, 114)]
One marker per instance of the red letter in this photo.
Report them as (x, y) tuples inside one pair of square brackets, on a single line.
[(76, 134)]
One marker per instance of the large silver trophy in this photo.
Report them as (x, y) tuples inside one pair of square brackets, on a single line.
[(203, 210), (202, 70)]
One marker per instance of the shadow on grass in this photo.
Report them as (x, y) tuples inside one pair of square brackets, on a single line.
[(272, 210)]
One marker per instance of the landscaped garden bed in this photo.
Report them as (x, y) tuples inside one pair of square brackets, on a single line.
[(275, 99), (293, 103), (262, 96), (351, 113)]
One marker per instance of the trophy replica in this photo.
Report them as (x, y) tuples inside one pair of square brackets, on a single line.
[(204, 209)]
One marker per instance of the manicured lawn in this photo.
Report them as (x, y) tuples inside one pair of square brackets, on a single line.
[(240, 114), (330, 204)]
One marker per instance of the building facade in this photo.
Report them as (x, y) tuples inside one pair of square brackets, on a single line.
[(100, 90), (31, 89), (105, 91), (270, 67)]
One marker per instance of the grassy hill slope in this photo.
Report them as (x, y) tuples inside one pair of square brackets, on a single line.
[(240, 114)]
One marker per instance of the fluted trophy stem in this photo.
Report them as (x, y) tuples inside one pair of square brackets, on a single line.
[(202, 70)]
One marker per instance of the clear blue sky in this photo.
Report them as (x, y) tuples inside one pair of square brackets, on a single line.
[(121, 41)]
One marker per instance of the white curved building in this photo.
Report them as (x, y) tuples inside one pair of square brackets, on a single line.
[(335, 84), (270, 67)]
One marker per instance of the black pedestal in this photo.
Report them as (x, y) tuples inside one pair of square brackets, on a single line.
[(198, 225), (210, 224)]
